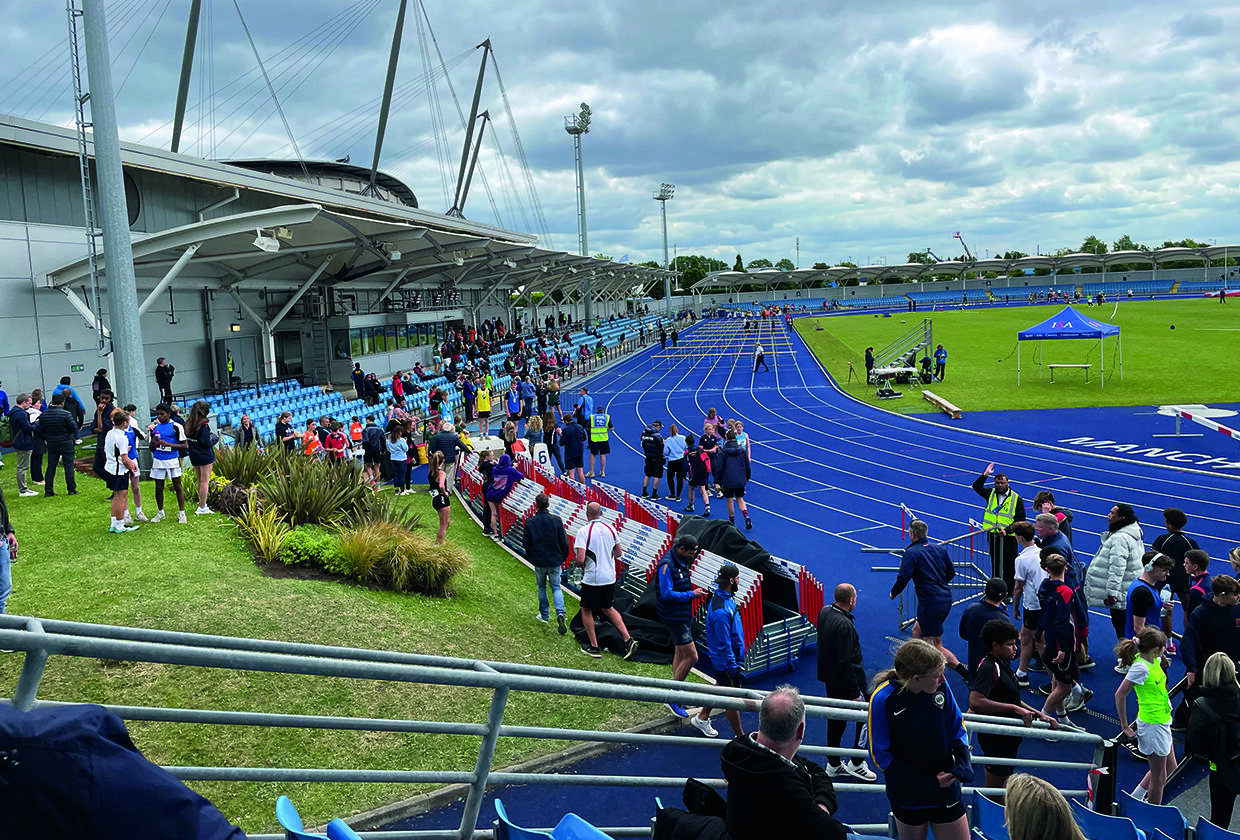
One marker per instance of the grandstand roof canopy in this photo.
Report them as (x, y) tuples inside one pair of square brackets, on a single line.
[(916, 271), (340, 249)]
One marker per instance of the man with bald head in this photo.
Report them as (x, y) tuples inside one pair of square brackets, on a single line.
[(772, 791), (841, 670), (596, 549)]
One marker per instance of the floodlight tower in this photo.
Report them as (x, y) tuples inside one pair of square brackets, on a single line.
[(577, 125), (663, 196)]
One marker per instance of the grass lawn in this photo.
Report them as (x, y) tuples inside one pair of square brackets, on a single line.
[(199, 578), (1197, 362)]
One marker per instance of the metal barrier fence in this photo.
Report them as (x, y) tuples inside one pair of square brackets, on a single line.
[(41, 639)]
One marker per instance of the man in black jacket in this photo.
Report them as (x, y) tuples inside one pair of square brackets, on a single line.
[(447, 441), (23, 441), (841, 670), (1213, 627), (652, 452), (163, 378), (58, 428), (546, 548), (772, 791)]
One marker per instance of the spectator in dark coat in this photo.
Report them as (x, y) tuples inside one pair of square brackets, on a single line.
[(930, 569), (58, 428), (546, 549), (842, 672), (101, 426), (772, 791), (447, 441), (23, 441), (730, 464)]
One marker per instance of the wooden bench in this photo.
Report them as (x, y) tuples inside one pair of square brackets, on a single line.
[(1079, 367), (952, 411)]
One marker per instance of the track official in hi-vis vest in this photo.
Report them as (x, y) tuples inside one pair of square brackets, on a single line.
[(599, 426), (1003, 507)]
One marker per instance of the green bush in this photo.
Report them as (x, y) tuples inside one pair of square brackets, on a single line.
[(265, 530), (310, 545), (312, 492), (393, 557), (246, 465)]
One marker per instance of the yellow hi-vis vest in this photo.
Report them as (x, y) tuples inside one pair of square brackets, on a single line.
[(598, 427), (999, 516)]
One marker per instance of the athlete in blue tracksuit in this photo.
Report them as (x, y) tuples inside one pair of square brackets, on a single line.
[(930, 569), (917, 737), (725, 642)]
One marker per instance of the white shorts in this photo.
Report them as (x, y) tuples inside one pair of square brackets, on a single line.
[(165, 469), (1154, 738)]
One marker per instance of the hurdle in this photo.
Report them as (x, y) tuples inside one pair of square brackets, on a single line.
[(1188, 412)]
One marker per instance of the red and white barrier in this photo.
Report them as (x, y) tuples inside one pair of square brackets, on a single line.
[(1213, 425)]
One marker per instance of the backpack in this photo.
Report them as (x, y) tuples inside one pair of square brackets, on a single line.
[(6, 430)]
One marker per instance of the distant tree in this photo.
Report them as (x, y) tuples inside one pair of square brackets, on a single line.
[(1125, 243), (651, 264), (1014, 255), (602, 257), (785, 265), (921, 257), (821, 265), (1093, 245), (847, 264), (1185, 243), (762, 263), (740, 266)]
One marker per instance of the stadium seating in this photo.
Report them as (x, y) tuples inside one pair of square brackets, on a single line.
[(1165, 818), (1023, 292), (338, 829), (1208, 285), (570, 827), (1097, 825), (943, 296), (1206, 830), (290, 821), (988, 818), (1121, 287)]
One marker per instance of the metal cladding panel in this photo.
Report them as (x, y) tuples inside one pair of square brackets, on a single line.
[(51, 189)]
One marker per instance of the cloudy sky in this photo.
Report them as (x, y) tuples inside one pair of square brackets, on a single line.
[(867, 130)]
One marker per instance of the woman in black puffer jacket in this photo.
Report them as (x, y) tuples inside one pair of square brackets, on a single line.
[(1214, 734)]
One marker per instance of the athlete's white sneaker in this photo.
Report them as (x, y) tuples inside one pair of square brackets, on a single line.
[(704, 726), (158, 517), (180, 516)]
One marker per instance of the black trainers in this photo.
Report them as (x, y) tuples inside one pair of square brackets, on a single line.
[(1044, 690), (645, 495), (748, 524), (1022, 680), (630, 648), (563, 628), (1087, 665), (689, 509), (654, 497), (591, 650), (1036, 665), (706, 511)]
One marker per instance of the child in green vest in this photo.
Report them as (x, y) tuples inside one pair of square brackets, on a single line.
[(1147, 675)]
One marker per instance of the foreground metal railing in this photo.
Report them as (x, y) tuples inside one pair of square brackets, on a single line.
[(41, 639)]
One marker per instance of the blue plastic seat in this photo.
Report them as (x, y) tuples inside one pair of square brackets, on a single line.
[(338, 829), (988, 818), (1164, 818), (1102, 826), (290, 821), (1207, 830), (570, 827)]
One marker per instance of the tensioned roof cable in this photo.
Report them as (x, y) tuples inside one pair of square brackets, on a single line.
[(274, 98)]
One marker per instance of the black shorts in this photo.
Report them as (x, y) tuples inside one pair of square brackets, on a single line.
[(728, 678), (939, 815), (999, 746), (931, 615), (734, 492), (654, 469), (1064, 672), (484, 414), (600, 447), (372, 456), (597, 597), (1031, 620), (117, 482), (513, 417), (575, 461), (439, 501)]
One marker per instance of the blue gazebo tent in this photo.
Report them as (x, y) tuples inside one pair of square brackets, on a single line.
[(1068, 323)]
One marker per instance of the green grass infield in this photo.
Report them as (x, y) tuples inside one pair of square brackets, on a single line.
[(200, 578), (1174, 351)]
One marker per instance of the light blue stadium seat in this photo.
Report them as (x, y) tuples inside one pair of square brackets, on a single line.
[(570, 827), (338, 829), (290, 821)]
